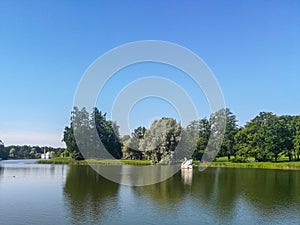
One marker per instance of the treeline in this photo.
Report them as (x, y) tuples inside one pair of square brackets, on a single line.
[(27, 152), (267, 137)]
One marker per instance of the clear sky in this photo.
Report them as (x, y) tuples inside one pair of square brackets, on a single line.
[(253, 48)]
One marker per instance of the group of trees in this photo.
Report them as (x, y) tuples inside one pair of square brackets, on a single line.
[(83, 136), (266, 137), (27, 152), (157, 143), (166, 140)]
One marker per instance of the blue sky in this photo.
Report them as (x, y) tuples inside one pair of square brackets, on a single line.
[(253, 48)]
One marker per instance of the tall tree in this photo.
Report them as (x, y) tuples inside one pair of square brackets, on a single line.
[(96, 136), (217, 122), (228, 146), (107, 132), (196, 137), (274, 130), (76, 136), (161, 139)]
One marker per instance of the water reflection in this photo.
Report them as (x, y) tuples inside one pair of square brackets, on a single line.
[(187, 176), (164, 196), (146, 175), (230, 193), (136, 175), (217, 195), (1, 171), (88, 195)]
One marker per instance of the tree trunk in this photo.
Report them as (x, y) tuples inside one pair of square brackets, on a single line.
[(290, 157)]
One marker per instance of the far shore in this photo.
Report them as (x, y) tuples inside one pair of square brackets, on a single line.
[(258, 165)]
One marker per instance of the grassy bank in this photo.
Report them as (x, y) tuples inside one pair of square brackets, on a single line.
[(263, 165), (282, 163), (56, 161), (94, 161), (218, 163)]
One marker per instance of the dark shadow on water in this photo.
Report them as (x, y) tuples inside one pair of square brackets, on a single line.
[(88, 195), (229, 193), (1, 171)]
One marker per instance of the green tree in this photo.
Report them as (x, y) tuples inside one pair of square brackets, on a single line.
[(228, 146), (95, 135), (107, 132), (12, 153), (219, 119), (161, 139), (139, 132), (195, 138), (251, 141), (296, 140), (290, 132), (3, 153), (69, 136), (242, 145), (131, 144), (266, 137), (274, 130)]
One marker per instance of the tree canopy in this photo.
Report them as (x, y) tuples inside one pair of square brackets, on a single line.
[(92, 135), (266, 137)]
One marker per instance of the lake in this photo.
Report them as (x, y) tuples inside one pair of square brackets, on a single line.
[(60, 194)]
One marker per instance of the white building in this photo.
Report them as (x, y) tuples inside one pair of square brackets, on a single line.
[(46, 155)]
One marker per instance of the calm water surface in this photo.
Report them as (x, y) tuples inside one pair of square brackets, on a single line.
[(59, 194)]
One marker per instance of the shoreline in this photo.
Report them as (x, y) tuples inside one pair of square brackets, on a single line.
[(71, 161), (251, 165), (258, 165)]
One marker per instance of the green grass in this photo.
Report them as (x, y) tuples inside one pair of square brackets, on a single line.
[(282, 163), (94, 161), (264, 165), (220, 162), (119, 162), (57, 160)]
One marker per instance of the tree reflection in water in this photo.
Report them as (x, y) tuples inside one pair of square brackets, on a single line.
[(88, 195), (217, 195), (1, 171)]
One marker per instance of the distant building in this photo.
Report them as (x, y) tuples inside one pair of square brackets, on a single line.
[(46, 155)]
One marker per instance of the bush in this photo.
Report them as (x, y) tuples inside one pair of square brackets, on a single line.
[(239, 160)]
